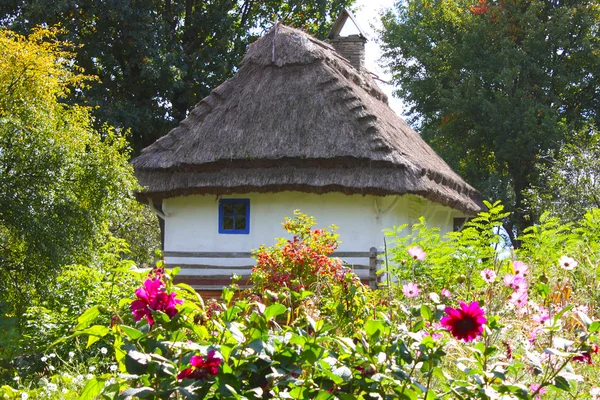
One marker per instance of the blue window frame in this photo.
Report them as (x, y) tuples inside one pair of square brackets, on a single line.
[(234, 216)]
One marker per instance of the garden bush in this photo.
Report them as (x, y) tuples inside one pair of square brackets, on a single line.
[(455, 317)]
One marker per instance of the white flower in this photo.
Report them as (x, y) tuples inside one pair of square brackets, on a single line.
[(567, 263), (51, 368), (89, 376), (113, 368), (103, 350), (24, 396), (52, 387), (52, 355), (64, 390), (595, 393), (16, 378), (71, 354), (44, 359), (92, 368)]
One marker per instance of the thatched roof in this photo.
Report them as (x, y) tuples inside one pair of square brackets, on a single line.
[(297, 116)]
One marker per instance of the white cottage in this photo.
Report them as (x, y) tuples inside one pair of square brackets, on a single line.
[(299, 126)]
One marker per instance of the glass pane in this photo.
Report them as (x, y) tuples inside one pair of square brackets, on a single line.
[(228, 223), (240, 223), (240, 210), (228, 209)]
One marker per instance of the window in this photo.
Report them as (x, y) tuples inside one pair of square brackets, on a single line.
[(234, 216), (459, 223)]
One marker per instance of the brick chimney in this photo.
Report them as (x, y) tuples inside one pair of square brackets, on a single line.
[(351, 47)]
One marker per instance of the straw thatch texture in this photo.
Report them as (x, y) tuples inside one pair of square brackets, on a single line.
[(297, 116)]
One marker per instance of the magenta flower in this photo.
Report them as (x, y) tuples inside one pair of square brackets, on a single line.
[(446, 293), (488, 275), (411, 290), (152, 297), (417, 253), (464, 323), (567, 263), (201, 368), (521, 269)]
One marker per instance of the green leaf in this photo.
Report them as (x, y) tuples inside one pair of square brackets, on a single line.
[(426, 313), (274, 310), (87, 318), (594, 326), (374, 327), (92, 389), (561, 313), (132, 333), (136, 362), (562, 383), (138, 392), (193, 291)]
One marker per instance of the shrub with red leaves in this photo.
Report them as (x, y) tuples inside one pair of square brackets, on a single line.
[(300, 262)]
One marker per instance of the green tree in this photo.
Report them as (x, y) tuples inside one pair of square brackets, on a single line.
[(61, 181), (570, 181), (495, 84), (156, 59)]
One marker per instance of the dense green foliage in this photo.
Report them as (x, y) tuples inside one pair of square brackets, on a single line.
[(64, 186), (495, 84), (570, 181), (345, 341), (156, 59)]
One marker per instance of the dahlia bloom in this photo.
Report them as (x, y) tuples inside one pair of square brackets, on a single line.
[(466, 322), (567, 263), (411, 290), (488, 275), (417, 253), (152, 297), (202, 368)]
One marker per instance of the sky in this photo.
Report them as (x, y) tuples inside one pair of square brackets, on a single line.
[(367, 16)]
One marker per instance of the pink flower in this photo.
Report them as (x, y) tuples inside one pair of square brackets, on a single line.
[(152, 297), (521, 269), (417, 253), (533, 334), (411, 290), (466, 322), (595, 393), (516, 282), (542, 316), (446, 293), (519, 298), (488, 275), (567, 263), (201, 368), (534, 387)]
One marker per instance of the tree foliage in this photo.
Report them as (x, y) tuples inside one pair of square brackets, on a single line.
[(155, 59), (495, 84), (570, 181), (61, 181)]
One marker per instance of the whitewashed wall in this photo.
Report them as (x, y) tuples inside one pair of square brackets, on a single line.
[(191, 224)]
